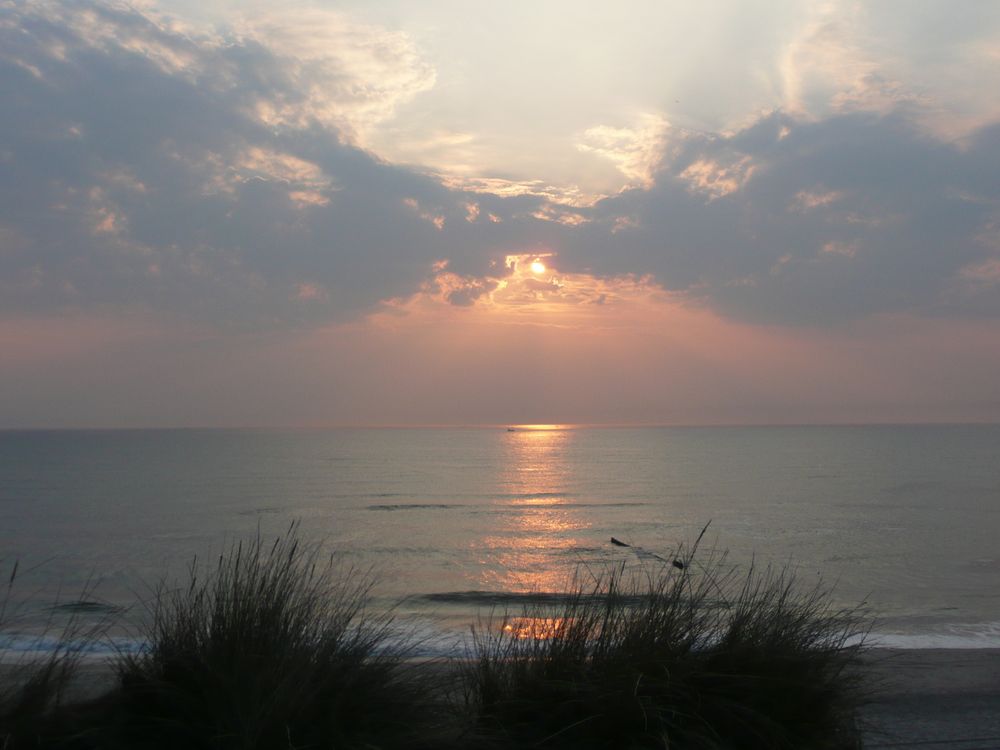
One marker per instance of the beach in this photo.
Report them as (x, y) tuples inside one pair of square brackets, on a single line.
[(923, 698), (934, 698)]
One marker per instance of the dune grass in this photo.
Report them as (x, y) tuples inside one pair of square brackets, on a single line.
[(699, 656), (274, 647), (34, 691)]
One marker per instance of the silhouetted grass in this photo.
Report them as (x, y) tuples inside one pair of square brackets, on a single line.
[(33, 690), (273, 649), (672, 657)]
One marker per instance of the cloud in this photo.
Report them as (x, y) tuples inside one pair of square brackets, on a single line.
[(516, 285), (831, 67), (805, 200), (345, 75), (636, 151), (714, 179), (845, 216), (141, 171), (919, 56)]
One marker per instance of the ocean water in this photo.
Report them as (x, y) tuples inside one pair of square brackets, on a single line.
[(457, 521)]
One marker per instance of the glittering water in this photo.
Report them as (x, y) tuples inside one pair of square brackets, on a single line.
[(905, 517)]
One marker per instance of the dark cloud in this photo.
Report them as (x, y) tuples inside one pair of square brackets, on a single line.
[(126, 182), (791, 221), (136, 170)]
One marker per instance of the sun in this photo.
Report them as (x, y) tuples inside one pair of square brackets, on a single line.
[(537, 267)]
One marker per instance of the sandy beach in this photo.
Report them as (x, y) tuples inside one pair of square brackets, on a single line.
[(927, 698), (935, 698)]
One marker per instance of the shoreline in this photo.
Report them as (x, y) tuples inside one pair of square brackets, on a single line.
[(937, 698)]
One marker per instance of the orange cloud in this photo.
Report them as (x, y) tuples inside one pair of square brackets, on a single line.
[(517, 292)]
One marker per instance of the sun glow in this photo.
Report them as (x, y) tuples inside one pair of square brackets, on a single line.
[(516, 289)]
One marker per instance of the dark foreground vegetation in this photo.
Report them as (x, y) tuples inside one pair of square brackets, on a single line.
[(274, 648)]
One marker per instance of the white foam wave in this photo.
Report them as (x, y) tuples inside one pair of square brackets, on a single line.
[(14, 646), (959, 635)]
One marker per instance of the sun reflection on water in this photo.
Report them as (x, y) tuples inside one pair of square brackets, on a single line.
[(536, 628), (530, 548)]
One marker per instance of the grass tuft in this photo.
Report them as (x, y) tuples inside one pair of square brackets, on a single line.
[(33, 690), (273, 649), (671, 657)]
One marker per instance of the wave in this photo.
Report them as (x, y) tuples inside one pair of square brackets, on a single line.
[(579, 505), (416, 506), (531, 495), (507, 598), (33, 644), (516, 507), (418, 636), (957, 636), (363, 495), (433, 639), (87, 606)]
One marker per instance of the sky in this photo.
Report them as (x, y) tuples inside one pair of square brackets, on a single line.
[(223, 213)]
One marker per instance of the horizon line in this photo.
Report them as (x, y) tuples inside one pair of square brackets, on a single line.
[(525, 426)]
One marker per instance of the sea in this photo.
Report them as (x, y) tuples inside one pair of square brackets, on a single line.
[(457, 524)]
